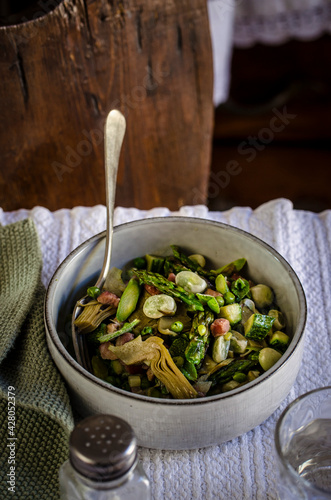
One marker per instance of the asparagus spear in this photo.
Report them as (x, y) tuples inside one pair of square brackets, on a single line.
[(225, 373), (211, 275), (191, 264), (199, 334), (127, 327), (169, 288)]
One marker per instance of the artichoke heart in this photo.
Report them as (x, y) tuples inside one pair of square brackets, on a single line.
[(152, 350), (92, 316)]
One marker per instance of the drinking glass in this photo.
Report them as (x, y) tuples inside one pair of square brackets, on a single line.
[(303, 447)]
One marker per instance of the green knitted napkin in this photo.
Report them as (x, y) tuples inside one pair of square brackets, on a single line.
[(35, 414)]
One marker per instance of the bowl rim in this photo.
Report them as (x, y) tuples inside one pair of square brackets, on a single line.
[(284, 360)]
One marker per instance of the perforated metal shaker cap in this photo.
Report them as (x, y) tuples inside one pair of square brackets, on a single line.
[(102, 447)]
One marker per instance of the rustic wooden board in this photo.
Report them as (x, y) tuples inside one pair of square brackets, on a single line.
[(61, 73)]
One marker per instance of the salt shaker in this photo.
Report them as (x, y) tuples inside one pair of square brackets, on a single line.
[(103, 463)]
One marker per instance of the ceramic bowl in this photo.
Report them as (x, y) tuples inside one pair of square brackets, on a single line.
[(177, 424)]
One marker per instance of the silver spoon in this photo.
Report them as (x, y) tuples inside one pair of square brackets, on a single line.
[(114, 134)]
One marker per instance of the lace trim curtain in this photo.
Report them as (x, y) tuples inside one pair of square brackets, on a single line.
[(243, 23), (277, 21)]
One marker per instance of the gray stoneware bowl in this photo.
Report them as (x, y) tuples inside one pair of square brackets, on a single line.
[(177, 424)]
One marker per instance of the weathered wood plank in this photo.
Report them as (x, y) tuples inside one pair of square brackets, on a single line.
[(62, 73)]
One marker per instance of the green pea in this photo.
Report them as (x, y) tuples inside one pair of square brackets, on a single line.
[(139, 263), (220, 300), (229, 298), (93, 292), (147, 330), (177, 326)]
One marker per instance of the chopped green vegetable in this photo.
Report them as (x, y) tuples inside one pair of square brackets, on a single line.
[(220, 300), (212, 302), (191, 264), (225, 373), (240, 377), (252, 375), (240, 288), (221, 284), (229, 298), (134, 380), (213, 305), (238, 343), (160, 305), (280, 341), (116, 366), (258, 326), (178, 347), (191, 282), (280, 322), (268, 357), (190, 371), (231, 312), (220, 349), (230, 386), (127, 327), (198, 259), (231, 268), (228, 335), (196, 350), (128, 301), (154, 264), (262, 296)]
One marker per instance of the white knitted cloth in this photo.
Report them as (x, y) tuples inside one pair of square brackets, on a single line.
[(244, 468)]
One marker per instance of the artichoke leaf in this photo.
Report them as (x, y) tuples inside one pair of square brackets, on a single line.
[(152, 350)]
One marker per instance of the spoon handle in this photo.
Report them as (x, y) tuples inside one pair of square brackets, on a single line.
[(114, 134)]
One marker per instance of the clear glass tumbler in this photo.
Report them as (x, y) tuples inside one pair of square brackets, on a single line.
[(303, 447)]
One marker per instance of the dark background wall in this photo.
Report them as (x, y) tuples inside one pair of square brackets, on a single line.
[(269, 160)]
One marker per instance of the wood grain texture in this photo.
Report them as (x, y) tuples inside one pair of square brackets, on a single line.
[(63, 72)]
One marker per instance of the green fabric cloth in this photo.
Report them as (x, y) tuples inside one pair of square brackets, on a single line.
[(43, 416)]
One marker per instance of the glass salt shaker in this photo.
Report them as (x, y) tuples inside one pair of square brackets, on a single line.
[(103, 463)]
